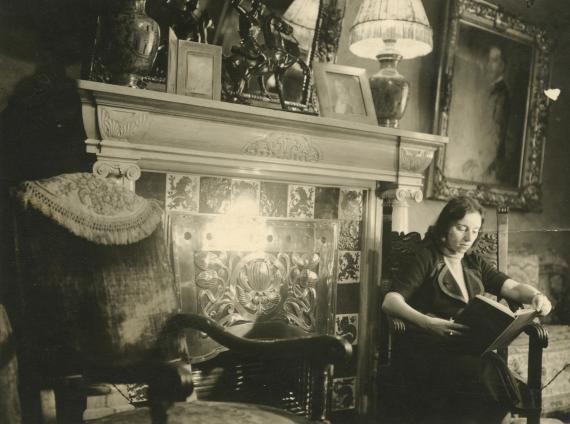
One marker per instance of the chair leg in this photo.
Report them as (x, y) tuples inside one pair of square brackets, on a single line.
[(533, 418), (31, 405), (321, 383), (70, 400), (158, 405)]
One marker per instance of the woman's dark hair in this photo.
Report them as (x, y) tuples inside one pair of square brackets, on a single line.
[(452, 212)]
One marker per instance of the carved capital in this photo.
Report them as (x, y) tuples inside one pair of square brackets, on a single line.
[(415, 159), (284, 146), (117, 124), (401, 196), (126, 173)]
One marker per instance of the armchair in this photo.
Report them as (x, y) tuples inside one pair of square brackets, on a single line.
[(95, 301), (493, 246)]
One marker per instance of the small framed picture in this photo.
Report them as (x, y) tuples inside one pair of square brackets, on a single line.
[(194, 69), (344, 93)]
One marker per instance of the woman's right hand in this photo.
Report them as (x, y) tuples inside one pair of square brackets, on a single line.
[(444, 328)]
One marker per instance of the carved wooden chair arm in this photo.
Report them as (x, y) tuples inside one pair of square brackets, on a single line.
[(537, 340), (169, 382), (538, 336), (316, 348)]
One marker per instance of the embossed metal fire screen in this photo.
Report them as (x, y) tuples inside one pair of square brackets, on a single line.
[(242, 271)]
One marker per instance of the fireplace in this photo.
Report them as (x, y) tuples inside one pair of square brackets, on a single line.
[(271, 216)]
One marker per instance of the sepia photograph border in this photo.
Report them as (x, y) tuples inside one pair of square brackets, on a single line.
[(324, 91), (527, 194)]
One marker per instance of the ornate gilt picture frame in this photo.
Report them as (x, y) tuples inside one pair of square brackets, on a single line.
[(491, 103)]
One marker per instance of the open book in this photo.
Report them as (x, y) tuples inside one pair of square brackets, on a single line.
[(492, 324)]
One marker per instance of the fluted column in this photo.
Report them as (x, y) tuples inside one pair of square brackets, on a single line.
[(399, 200)]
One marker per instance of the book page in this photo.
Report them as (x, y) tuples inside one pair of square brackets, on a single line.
[(497, 305), (523, 318)]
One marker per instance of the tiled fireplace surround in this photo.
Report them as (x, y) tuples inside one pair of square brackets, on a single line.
[(271, 215)]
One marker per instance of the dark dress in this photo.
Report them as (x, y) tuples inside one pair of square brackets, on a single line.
[(444, 378)]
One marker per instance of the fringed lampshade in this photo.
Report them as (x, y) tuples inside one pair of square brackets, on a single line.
[(390, 30), (302, 16)]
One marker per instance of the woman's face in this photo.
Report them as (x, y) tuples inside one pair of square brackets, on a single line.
[(463, 233)]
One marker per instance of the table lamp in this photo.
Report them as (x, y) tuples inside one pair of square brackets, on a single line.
[(302, 15), (390, 30)]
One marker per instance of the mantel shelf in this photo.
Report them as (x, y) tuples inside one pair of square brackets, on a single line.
[(167, 132)]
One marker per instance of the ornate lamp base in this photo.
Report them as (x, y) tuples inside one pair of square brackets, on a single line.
[(389, 91)]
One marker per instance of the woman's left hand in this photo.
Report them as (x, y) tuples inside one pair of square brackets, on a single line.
[(541, 304)]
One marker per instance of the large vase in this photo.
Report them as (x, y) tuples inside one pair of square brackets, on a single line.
[(128, 42), (389, 91)]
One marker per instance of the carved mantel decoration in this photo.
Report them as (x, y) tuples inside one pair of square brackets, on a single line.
[(129, 130), (284, 146), (120, 124)]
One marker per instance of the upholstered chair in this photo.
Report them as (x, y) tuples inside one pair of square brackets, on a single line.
[(96, 302)]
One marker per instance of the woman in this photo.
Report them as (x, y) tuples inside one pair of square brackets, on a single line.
[(452, 385)]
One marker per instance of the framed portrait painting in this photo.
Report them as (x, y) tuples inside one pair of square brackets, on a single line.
[(344, 93), (490, 103)]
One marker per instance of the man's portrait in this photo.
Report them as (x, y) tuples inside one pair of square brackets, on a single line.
[(487, 132)]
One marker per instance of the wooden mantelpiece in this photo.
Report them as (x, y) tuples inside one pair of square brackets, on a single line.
[(130, 129)]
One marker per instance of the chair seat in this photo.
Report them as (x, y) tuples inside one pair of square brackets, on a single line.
[(202, 412)]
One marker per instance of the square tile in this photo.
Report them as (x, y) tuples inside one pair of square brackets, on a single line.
[(343, 393), (348, 267), (350, 236), (152, 185), (182, 192), (215, 194), (301, 202), (273, 199), (245, 197), (347, 298), (346, 325), (350, 204), (326, 202)]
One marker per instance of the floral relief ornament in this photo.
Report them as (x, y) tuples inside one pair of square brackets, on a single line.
[(284, 146), (121, 124), (245, 287)]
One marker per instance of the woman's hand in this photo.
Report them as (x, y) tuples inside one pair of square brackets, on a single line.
[(444, 328), (541, 304), (524, 293)]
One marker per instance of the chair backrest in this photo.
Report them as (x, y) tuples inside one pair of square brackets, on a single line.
[(85, 303)]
